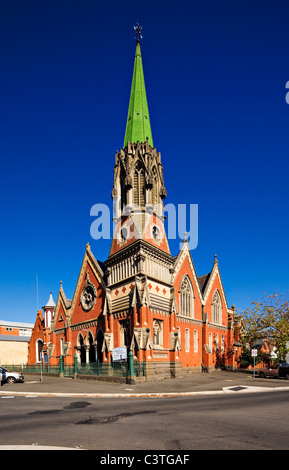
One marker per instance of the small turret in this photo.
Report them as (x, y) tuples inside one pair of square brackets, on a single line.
[(49, 309)]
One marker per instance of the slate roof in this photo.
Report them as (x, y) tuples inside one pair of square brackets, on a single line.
[(50, 302), (23, 339), (203, 280)]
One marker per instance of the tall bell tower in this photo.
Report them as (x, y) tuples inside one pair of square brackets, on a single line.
[(138, 189), (139, 260)]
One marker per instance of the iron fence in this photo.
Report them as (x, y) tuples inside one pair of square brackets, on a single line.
[(101, 369), (115, 369), (32, 368)]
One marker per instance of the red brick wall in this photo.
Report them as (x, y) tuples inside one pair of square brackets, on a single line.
[(217, 358), (37, 333), (142, 317)]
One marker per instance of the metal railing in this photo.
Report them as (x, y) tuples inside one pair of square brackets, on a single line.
[(100, 369), (115, 369), (32, 368)]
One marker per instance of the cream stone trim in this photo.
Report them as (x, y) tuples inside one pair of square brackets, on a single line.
[(96, 269), (185, 252), (215, 273), (142, 338), (84, 325), (61, 301)]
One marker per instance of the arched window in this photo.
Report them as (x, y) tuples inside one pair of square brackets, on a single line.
[(186, 298), (124, 326), (216, 308), (39, 347), (81, 348), (90, 345), (100, 341), (138, 185), (158, 333)]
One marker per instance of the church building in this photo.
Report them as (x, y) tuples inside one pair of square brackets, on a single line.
[(141, 297)]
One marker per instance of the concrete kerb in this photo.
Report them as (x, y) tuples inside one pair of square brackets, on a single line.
[(33, 447), (225, 390)]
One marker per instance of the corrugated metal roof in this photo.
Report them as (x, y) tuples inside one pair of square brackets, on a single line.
[(14, 324), (23, 339)]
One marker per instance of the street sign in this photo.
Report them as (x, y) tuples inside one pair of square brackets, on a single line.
[(119, 354), (46, 359), (254, 353)]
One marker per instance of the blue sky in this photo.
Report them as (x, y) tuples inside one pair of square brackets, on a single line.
[(215, 75)]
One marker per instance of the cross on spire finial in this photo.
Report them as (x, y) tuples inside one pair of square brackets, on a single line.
[(138, 29)]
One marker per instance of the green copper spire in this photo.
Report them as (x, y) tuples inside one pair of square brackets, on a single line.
[(138, 126)]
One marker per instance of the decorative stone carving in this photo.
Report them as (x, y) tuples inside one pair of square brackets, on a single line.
[(128, 181), (88, 295), (175, 341), (163, 192), (130, 187)]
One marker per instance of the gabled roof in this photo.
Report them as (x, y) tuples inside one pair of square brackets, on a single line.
[(179, 259), (138, 126), (66, 301), (210, 280), (203, 280), (69, 304), (16, 324), (63, 302)]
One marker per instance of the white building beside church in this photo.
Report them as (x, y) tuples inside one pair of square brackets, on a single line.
[(14, 340)]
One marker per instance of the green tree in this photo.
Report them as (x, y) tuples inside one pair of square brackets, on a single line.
[(267, 320), (247, 360)]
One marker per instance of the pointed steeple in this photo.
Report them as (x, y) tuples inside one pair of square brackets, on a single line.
[(50, 302), (138, 126)]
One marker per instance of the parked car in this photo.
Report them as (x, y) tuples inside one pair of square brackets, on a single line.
[(11, 377), (277, 370), (271, 371), (284, 370)]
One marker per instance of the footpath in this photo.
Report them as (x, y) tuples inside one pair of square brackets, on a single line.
[(218, 382)]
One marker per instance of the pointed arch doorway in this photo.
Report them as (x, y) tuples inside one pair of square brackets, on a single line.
[(39, 348), (82, 352), (99, 348)]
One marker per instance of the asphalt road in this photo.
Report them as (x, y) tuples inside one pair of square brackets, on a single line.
[(218, 422)]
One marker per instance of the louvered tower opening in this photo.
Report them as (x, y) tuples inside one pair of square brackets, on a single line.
[(139, 185)]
